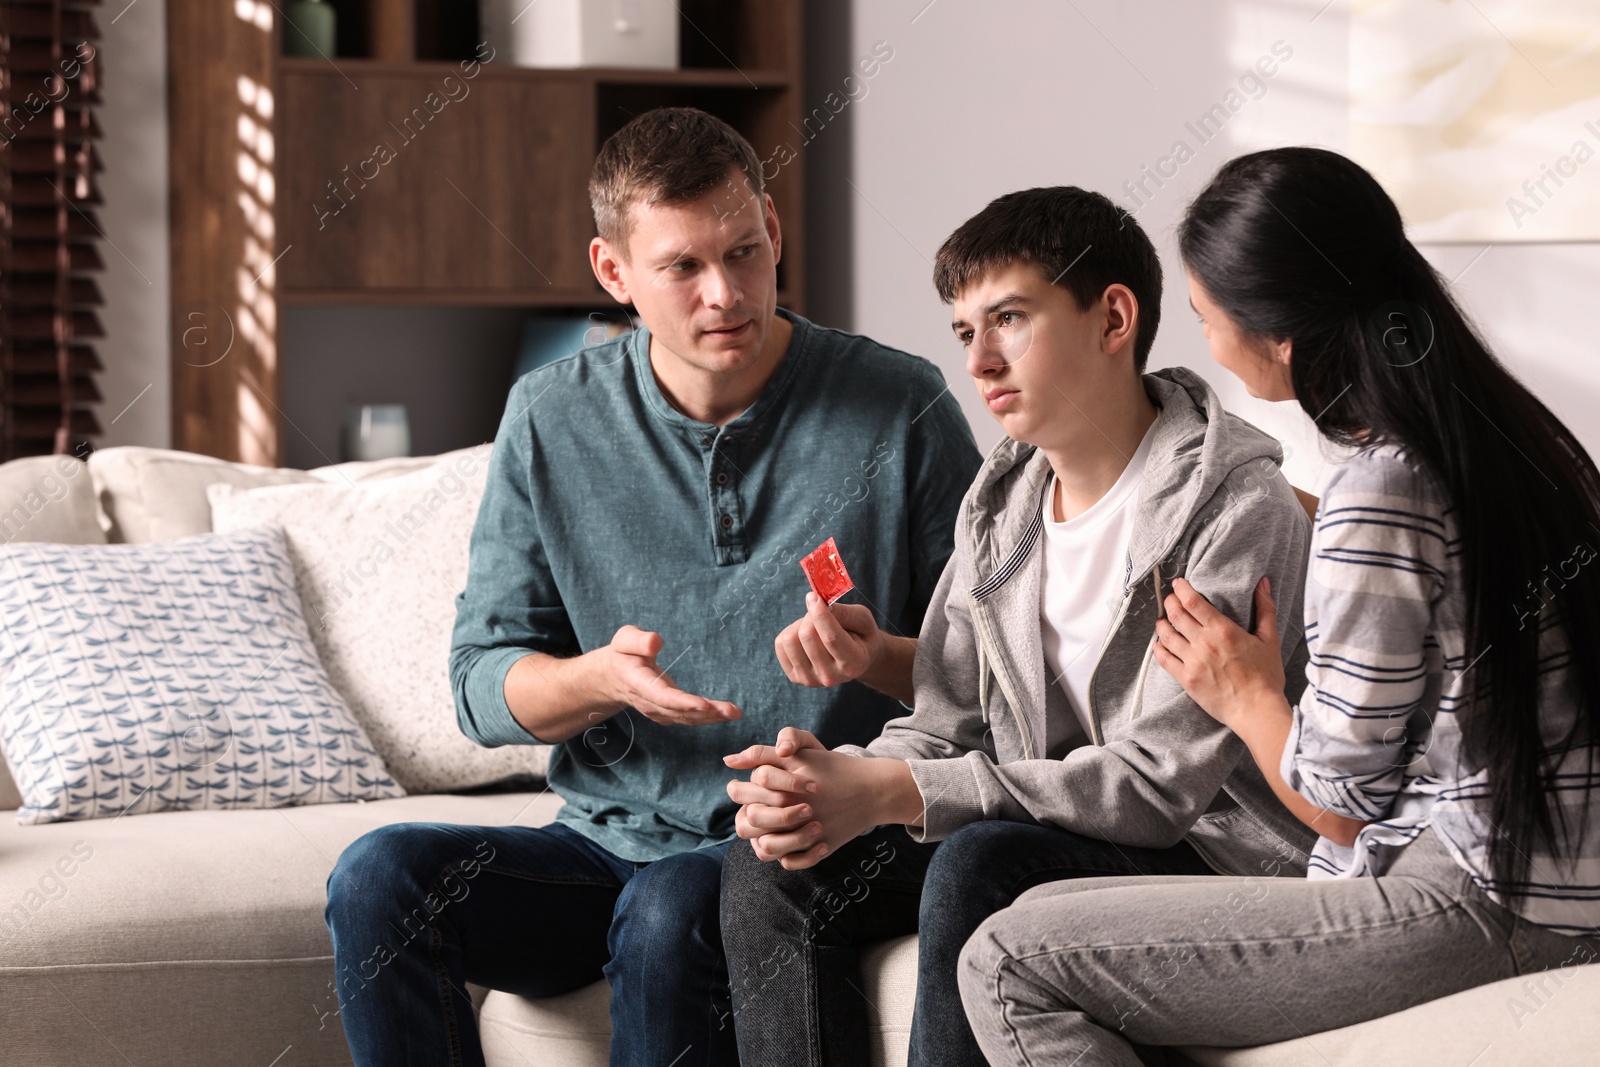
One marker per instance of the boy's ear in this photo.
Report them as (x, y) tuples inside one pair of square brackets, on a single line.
[(1121, 323)]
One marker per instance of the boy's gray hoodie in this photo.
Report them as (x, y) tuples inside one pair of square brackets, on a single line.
[(1214, 508)]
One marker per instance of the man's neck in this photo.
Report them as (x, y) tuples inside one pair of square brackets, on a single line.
[(718, 399), (1087, 466)]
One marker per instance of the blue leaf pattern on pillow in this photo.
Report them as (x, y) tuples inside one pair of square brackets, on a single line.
[(169, 676)]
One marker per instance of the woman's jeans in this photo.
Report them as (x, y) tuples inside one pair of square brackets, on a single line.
[(417, 910), (794, 938), (1081, 972)]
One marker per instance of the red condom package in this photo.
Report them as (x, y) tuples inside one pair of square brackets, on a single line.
[(826, 572)]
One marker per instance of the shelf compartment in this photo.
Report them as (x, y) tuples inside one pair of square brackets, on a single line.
[(381, 189)]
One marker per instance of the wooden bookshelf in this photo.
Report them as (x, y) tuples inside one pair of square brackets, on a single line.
[(280, 197)]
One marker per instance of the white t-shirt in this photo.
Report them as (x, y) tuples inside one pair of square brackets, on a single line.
[(1081, 590)]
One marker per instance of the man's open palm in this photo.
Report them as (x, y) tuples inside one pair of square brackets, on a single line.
[(638, 683)]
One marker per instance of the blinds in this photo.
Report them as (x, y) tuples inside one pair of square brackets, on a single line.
[(49, 232)]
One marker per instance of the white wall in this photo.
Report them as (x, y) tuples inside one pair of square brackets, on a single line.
[(986, 96), (136, 281), (981, 97)]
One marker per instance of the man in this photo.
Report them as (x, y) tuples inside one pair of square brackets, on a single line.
[(1042, 746), (647, 503)]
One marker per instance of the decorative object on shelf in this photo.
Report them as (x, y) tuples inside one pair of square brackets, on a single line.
[(309, 29), (584, 33), (375, 431)]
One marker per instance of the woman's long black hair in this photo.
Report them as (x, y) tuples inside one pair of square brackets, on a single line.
[(1301, 244)]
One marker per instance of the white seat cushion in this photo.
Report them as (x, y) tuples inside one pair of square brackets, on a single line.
[(1478, 1027), (189, 937)]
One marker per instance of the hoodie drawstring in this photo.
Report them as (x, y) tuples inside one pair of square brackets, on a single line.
[(1150, 648), (983, 681)]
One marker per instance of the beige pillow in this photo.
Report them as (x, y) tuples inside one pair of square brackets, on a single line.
[(156, 494), (45, 498), (378, 566), (49, 498)]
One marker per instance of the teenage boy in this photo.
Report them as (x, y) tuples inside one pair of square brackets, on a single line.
[(1042, 746), (647, 502)]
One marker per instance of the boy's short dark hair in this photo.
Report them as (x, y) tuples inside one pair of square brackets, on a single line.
[(1080, 240), (666, 155)]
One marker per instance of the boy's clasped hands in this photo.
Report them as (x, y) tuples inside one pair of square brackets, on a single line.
[(803, 801)]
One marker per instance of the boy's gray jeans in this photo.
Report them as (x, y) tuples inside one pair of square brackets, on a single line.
[(1078, 972)]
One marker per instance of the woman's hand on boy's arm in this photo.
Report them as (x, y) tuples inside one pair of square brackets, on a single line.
[(1224, 668), (1237, 678)]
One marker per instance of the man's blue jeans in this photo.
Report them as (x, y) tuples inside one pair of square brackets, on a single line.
[(417, 910)]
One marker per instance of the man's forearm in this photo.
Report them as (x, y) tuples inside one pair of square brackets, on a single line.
[(890, 671), (556, 698)]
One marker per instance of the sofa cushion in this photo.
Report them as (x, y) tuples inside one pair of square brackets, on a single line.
[(378, 565), (175, 675), (49, 498), (189, 938), (155, 494), (1479, 1027), (45, 498)]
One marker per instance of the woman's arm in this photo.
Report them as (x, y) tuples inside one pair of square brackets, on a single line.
[(1237, 678), (1264, 727)]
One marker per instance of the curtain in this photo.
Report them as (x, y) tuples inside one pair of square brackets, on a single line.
[(49, 232)]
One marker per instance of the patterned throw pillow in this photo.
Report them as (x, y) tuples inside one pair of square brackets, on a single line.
[(170, 676)]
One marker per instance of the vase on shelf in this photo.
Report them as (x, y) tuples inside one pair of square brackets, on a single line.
[(309, 29), (375, 431)]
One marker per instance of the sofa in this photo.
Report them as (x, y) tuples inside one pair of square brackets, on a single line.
[(195, 937)]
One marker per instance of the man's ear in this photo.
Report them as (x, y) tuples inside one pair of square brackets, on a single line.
[(774, 231), (1121, 318), (607, 266)]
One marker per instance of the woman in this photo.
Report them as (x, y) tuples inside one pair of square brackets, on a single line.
[(1444, 745)]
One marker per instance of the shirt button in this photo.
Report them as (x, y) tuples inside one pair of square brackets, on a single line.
[(727, 522), (704, 440), (722, 477)]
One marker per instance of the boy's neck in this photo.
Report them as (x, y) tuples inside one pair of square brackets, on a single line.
[(1089, 463)]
